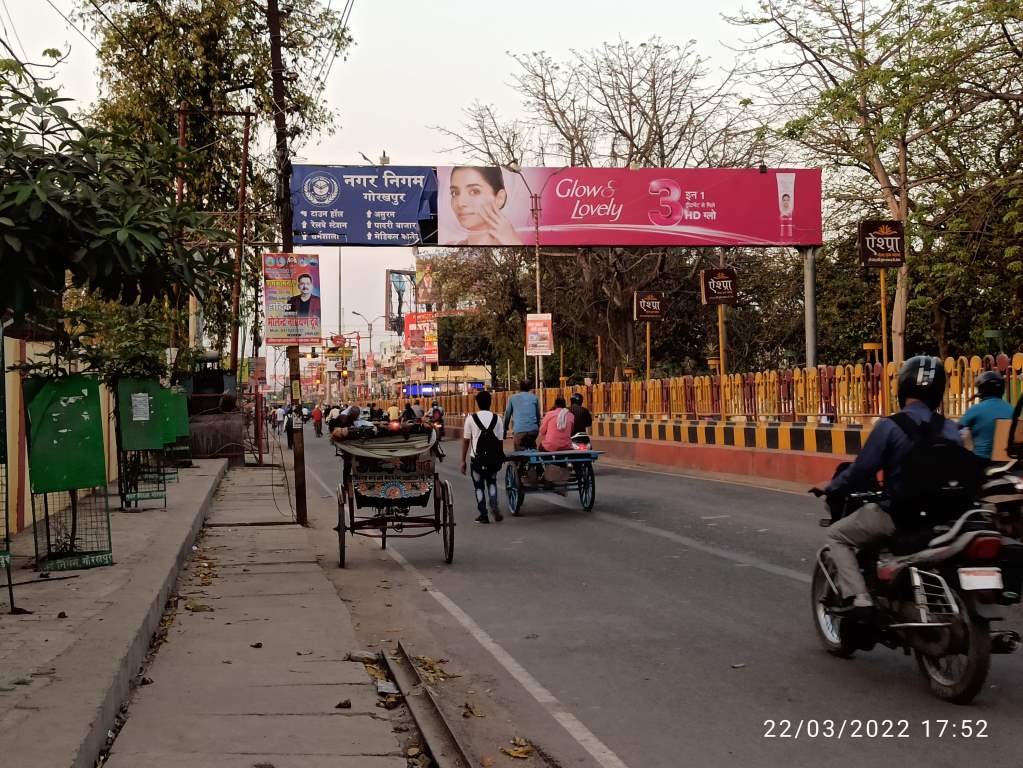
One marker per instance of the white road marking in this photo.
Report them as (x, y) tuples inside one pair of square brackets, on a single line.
[(583, 735), (738, 558), (630, 468)]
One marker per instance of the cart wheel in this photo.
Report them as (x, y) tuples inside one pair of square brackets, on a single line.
[(438, 501), (513, 488), (448, 524), (587, 487), (341, 526)]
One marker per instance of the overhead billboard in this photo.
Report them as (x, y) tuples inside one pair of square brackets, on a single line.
[(363, 205), (291, 293), (491, 206)]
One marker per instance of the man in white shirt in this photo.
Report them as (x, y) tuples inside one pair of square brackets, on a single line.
[(481, 443)]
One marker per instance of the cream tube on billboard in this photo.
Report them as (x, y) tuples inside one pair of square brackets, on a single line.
[(786, 202)]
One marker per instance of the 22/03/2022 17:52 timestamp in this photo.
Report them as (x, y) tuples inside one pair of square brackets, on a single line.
[(875, 729)]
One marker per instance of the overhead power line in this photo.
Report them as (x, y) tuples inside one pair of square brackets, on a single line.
[(72, 25)]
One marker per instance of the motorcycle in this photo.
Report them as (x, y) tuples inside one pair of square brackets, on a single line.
[(1002, 495), (937, 594), (580, 441)]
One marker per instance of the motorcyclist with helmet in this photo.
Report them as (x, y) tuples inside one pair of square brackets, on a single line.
[(980, 418), (921, 386), (583, 419)]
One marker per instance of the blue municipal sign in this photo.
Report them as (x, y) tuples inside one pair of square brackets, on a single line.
[(361, 205)]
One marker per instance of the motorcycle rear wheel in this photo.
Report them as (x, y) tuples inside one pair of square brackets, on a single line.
[(829, 627), (959, 677)]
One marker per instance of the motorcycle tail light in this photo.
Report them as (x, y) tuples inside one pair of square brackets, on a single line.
[(984, 548)]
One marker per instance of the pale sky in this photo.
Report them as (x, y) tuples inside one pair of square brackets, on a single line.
[(415, 65)]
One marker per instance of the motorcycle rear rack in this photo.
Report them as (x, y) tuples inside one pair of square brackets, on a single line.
[(919, 625), (933, 597)]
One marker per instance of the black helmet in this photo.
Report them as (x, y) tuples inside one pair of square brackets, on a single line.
[(990, 384), (922, 378), (576, 399)]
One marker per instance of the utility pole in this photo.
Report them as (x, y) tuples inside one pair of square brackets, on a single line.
[(273, 23), (236, 289)]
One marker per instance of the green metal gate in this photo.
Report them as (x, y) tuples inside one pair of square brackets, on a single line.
[(67, 465)]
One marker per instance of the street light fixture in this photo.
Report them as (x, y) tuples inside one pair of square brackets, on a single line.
[(535, 209)]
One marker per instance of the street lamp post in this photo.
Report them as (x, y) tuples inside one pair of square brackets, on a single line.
[(535, 209), (369, 323)]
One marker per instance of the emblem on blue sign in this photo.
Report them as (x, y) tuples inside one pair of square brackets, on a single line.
[(320, 189)]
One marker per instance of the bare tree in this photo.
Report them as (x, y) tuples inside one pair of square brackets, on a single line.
[(647, 104), (866, 86)]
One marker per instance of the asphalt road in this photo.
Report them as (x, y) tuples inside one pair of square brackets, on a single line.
[(668, 627)]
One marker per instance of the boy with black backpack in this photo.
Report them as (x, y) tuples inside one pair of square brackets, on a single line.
[(482, 438)]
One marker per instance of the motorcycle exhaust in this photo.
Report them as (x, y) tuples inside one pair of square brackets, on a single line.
[(1005, 641)]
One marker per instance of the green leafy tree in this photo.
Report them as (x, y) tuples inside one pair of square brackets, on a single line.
[(87, 207), (214, 56)]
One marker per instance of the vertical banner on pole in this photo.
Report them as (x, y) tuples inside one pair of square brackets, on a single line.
[(291, 290), (882, 245), (539, 334)]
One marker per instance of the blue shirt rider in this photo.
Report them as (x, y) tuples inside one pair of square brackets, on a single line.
[(980, 419)]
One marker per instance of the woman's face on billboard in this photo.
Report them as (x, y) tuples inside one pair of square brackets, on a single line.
[(469, 193)]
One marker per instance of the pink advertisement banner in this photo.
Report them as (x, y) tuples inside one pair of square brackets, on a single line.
[(490, 206)]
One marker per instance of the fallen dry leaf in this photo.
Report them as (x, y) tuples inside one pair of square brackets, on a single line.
[(431, 670), (487, 762), (375, 671), (412, 751), (519, 753), (197, 607), (468, 710), (518, 741)]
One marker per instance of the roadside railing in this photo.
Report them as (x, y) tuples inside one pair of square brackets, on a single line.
[(843, 393)]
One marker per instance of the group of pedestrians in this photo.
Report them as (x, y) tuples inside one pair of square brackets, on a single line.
[(484, 432)]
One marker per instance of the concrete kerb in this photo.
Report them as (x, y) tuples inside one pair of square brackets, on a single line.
[(109, 655)]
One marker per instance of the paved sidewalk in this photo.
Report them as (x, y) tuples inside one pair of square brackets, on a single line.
[(66, 669), (253, 667)]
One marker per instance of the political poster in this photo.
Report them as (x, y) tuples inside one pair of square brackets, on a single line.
[(492, 206), (428, 295), (539, 334), (421, 335), (363, 205), (291, 293)]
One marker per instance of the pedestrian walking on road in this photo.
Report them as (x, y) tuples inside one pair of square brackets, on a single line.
[(318, 421), (279, 422), (522, 416), (292, 421), (481, 444)]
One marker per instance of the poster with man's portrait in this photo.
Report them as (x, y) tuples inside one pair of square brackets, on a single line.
[(291, 292)]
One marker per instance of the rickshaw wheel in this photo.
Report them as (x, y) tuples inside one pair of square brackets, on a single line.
[(340, 526), (438, 501), (587, 487), (448, 525), (513, 487)]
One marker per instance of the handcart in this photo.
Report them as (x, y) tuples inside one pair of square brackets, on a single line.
[(523, 464), (387, 472)]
